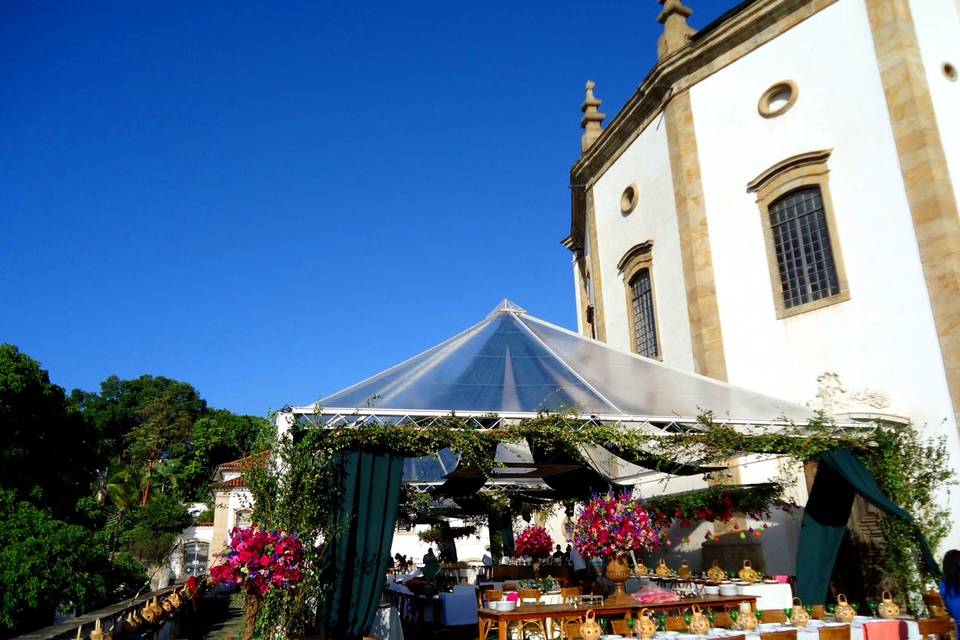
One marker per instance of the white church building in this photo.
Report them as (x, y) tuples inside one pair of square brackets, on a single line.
[(776, 207)]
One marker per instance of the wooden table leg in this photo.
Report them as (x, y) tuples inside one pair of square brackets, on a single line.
[(502, 626)]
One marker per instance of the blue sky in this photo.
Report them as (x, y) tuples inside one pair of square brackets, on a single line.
[(274, 201)]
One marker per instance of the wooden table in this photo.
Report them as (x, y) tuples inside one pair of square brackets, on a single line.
[(486, 618)]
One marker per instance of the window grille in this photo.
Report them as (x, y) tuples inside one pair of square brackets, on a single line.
[(805, 260), (195, 556), (644, 324)]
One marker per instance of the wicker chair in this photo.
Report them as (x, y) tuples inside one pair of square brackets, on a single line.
[(534, 627), (486, 625), (570, 623)]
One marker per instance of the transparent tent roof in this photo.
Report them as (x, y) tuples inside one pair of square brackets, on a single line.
[(511, 362)]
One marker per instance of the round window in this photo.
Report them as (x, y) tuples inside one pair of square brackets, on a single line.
[(950, 71), (778, 99), (628, 201)]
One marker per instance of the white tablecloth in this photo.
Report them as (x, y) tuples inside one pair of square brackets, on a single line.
[(386, 625), (769, 596), (807, 633)]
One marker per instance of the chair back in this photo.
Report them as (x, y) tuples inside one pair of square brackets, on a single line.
[(620, 627), (935, 604), (819, 612), (835, 633), (723, 620), (787, 634), (676, 623), (509, 586), (569, 595), (493, 595), (772, 615), (943, 628), (529, 594)]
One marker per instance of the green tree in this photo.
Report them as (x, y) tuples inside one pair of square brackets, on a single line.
[(153, 528), (46, 449), (217, 437), (164, 421), (46, 563), (118, 408)]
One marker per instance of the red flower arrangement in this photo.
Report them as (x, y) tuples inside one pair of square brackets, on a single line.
[(258, 561), (610, 526), (533, 541)]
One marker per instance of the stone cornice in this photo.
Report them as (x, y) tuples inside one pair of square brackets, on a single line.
[(734, 35)]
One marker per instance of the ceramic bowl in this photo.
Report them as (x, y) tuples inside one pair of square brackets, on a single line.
[(729, 590), (503, 605), (711, 591)]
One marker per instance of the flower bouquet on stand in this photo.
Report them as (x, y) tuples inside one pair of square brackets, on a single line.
[(258, 562), (534, 541), (615, 527)]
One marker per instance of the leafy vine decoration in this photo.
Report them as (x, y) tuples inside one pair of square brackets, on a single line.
[(293, 492)]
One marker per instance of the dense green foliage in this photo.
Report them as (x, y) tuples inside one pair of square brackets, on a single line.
[(46, 563), (46, 447), (79, 539)]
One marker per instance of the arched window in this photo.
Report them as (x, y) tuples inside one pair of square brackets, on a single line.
[(642, 313), (799, 229), (195, 558), (801, 240)]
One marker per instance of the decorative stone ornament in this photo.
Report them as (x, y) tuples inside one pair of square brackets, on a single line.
[(676, 31), (590, 122)]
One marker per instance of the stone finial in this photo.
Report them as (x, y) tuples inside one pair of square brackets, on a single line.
[(590, 123), (676, 31)]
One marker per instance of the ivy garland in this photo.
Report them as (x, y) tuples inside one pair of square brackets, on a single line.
[(442, 534), (294, 492), (717, 503)]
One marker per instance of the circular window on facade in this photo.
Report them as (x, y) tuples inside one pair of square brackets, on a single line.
[(778, 99), (628, 201), (950, 71)]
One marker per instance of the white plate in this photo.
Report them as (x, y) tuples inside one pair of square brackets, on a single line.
[(770, 626), (611, 637)]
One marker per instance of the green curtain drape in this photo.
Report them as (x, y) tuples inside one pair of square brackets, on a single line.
[(840, 476), (365, 518)]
